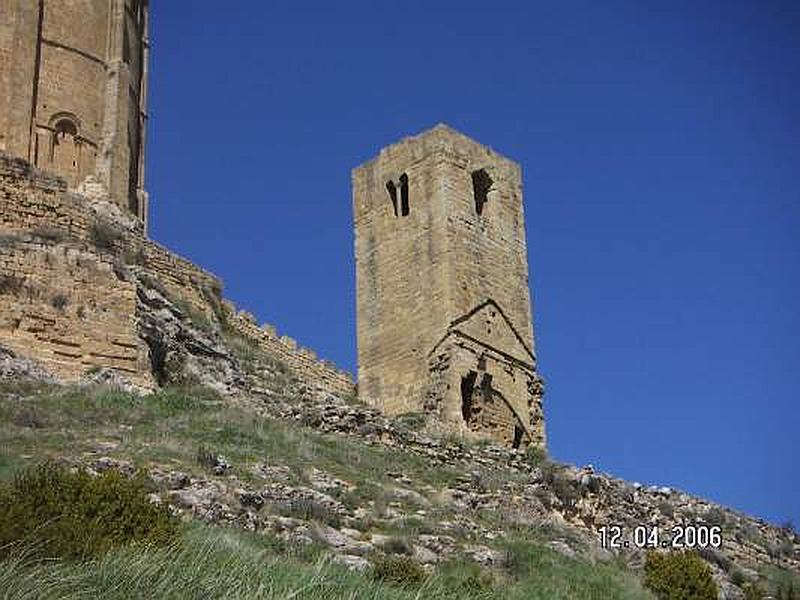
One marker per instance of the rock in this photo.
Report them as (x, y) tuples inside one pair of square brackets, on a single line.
[(562, 548), (424, 555), (406, 495), (272, 473), (221, 466), (18, 368), (353, 533), (111, 379), (302, 498), (351, 562), (106, 463), (340, 542), (326, 482), (180, 350), (250, 498), (178, 480), (442, 545), (200, 494), (485, 556)]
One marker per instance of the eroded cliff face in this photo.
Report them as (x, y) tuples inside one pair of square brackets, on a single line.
[(82, 289)]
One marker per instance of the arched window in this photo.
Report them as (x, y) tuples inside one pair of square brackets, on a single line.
[(65, 127), (65, 147)]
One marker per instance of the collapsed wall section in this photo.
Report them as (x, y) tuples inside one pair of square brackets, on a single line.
[(302, 362)]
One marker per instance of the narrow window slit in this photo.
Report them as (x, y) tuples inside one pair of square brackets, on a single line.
[(481, 186), (404, 208), (467, 387), (518, 432), (392, 189)]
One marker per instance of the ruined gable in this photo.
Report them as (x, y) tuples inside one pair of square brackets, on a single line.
[(487, 324)]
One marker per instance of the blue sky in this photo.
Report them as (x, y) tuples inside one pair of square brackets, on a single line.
[(660, 148)]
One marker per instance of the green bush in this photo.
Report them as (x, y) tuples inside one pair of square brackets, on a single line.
[(398, 570), (104, 234), (752, 592), (679, 576), (308, 509), (58, 513)]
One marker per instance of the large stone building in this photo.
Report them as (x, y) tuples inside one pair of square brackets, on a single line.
[(444, 313), (73, 87)]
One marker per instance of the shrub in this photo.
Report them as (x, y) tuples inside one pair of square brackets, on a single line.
[(411, 421), (679, 576), (308, 509), (466, 577), (398, 545), (716, 516), (135, 256), (206, 458), (535, 455), (104, 234), (10, 284), (398, 570), (752, 592), (666, 509), (74, 515), (59, 301), (8, 239), (49, 234)]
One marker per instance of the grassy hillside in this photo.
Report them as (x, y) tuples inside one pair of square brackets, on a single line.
[(178, 430)]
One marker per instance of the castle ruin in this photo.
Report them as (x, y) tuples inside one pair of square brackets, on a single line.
[(444, 313)]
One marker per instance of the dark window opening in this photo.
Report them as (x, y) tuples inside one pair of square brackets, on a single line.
[(65, 127), (467, 387), (126, 44), (392, 189), (404, 195), (481, 186), (518, 432), (486, 387)]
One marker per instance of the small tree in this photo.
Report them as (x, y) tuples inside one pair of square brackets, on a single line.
[(679, 576), (54, 512)]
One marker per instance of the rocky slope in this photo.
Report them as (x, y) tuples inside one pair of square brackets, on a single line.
[(368, 484)]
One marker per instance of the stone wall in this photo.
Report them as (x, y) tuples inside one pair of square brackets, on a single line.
[(302, 362), (55, 242), (67, 308)]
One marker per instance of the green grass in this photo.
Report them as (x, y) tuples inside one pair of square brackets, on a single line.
[(168, 428), (223, 563)]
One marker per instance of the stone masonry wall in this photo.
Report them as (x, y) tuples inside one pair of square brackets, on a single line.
[(68, 309), (439, 233), (303, 362), (56, 243)]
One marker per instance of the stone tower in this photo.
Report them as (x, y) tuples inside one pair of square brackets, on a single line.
[(444, 313), (73, 89)]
